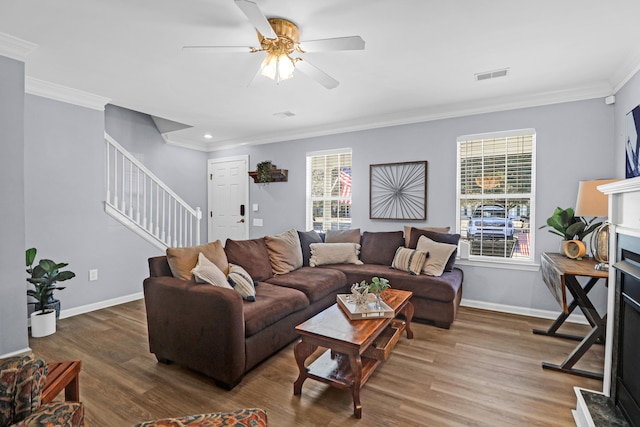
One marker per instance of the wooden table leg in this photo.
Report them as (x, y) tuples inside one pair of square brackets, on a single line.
[(407, 311), (355, 362), (301, 350)]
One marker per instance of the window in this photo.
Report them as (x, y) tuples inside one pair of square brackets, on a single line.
[(329, 190), (496, 194)]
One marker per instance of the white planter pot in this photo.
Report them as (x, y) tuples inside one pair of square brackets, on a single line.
[(43, 324)]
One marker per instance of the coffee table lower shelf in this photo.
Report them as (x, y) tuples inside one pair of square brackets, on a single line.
[(334, 369)]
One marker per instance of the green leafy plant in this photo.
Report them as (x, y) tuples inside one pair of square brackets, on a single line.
[(377, 286), (264, 171), (44, 276), (565, 224)]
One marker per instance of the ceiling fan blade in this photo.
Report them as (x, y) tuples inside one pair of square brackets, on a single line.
[(317, 74), (257, 18), (339, 43), (218, 49)]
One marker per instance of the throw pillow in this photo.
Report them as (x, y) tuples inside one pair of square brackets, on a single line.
[(306, 238), (451, 239), (284, 251), (439, 254), (407, 232), (380, 247), (343, 236), (207, 272), (182, 260), (409, 260), (252, 255), (242, 282), (334, 253)]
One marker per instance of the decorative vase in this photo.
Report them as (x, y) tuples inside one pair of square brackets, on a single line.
[(43, 323), (378, 301), (573, 249)]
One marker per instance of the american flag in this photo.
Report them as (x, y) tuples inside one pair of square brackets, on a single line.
[(345, 184)]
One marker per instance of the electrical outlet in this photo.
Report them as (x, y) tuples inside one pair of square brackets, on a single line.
[(93, 275)]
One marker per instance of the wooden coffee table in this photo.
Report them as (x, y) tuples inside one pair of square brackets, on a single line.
[(355, 347)]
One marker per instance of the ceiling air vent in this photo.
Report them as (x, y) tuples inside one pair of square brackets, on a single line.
[(284, 114), (491, 74)]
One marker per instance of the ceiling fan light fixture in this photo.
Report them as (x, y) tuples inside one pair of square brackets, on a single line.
[(278, 67)]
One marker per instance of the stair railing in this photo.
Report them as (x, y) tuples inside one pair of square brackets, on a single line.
[(142, 202)]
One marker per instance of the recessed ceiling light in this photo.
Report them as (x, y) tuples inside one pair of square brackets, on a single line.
[(207, 136), (491, 74)]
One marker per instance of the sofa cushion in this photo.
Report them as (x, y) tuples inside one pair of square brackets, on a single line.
[(343, 236), (182, 260), (409, 260), (407, 232), (451, 239), (272, 304), (252, 255), (314, 282), (207, 272), (443, 288), (334, 253), (284, 251), (306, 238), (439, 254), (241, 282), (380, 247)]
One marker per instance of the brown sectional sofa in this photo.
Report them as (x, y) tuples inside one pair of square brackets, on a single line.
[(214, 331)]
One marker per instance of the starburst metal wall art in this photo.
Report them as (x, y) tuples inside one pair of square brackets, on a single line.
[(398, 191)]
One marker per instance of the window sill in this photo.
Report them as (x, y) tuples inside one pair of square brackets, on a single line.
[(497, 263)]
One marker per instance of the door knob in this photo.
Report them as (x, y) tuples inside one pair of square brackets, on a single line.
[(241, 221)]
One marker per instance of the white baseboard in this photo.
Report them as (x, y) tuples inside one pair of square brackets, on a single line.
[(100, 305), (15, 353), (523, 311)]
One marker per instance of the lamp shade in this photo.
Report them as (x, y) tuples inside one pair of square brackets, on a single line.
[(592, 202)]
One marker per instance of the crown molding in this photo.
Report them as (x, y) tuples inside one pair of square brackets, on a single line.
[(66, 94), (15, 48)]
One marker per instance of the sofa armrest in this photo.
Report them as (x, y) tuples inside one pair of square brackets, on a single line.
[(199, 326)]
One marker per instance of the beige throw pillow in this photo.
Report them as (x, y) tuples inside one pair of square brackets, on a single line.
[(407, 232), (182, 260), (343, 236), (207, 272), (285, 252), (409, 260), (334, 253), (439, 254)]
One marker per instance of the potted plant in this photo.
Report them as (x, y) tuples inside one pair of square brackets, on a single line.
[(263, 170), (44, 277), (377, 286), (572, 229)]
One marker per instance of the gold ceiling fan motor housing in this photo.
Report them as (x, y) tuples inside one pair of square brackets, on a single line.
[(287, 41)]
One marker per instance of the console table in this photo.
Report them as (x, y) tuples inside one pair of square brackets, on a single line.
[(559, 274)]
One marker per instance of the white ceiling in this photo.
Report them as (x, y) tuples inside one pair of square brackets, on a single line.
[(418, 64)]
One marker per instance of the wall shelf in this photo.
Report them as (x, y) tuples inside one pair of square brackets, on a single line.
[(277, 175)]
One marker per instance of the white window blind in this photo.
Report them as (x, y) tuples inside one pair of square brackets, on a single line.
[(496, 194), (329, 190)]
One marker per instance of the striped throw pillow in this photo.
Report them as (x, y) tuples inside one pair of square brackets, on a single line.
[(242, 282), (409, 260)]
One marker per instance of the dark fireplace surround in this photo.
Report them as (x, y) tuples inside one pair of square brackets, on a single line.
[(625, 370)]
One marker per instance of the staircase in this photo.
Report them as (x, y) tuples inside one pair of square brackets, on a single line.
[(143, 203)]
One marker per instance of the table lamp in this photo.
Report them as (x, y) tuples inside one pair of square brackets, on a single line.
[(592, 202)]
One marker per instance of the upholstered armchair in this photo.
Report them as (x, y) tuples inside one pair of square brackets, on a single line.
[(22, 379)]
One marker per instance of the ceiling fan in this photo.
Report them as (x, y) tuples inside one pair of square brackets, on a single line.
[(280, 39)]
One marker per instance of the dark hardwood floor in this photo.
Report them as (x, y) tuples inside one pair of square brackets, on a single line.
[(484, 371)]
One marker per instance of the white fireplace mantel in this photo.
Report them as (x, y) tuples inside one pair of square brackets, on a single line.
[(624, 216)]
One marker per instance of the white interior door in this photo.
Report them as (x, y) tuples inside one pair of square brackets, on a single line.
[(228, 214)]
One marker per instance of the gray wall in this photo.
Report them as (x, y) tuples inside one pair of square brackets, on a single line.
[(13, 309), (573, 143)]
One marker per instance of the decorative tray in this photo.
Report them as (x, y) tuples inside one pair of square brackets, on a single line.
[(365, 311)]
